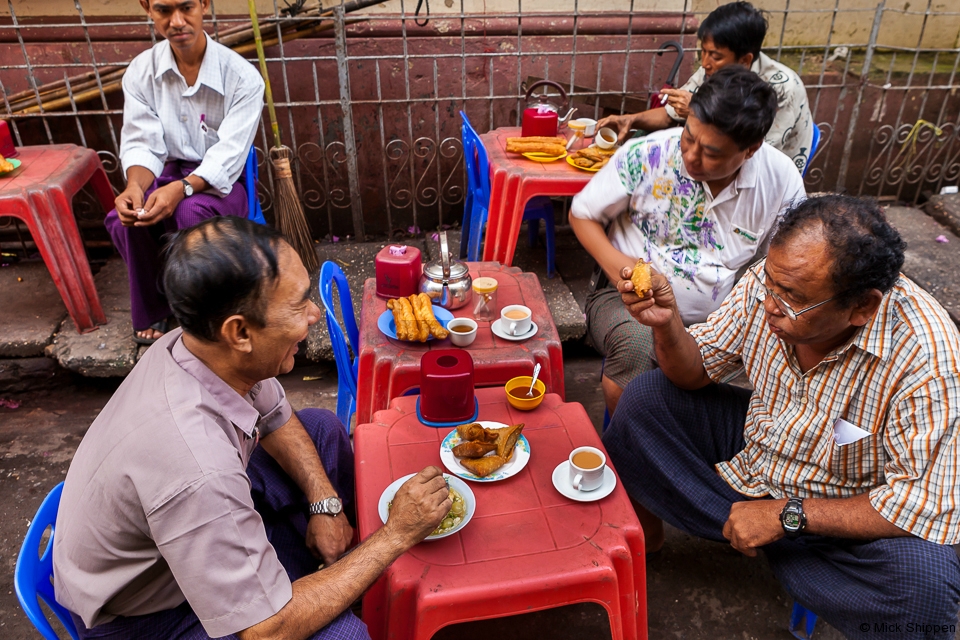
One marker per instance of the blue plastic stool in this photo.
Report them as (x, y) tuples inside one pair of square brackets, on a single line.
[(813, 147), (802, 615), (251, 173), (347, 367), (477, 203), (33, 577)]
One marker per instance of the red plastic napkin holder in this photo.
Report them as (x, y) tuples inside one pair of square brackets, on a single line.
[(446, 386)]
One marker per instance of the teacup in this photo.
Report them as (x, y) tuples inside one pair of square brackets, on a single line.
[(463, 331), (606, 138), (515, 319), (589, 126), (586, 468)]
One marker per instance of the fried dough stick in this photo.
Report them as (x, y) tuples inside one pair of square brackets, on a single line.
[(397, 319), (424, 328), (436, 329), (409, 319)]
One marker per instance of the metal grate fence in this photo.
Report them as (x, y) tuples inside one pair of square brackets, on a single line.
[(369, 100)]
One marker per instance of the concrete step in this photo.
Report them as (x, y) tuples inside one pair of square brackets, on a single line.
[(31, 309), (932, 265), (110, 350)]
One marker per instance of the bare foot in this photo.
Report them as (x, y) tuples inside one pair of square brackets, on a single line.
[(150, 334)]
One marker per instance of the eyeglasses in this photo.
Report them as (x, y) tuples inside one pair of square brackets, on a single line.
[(780, 302)]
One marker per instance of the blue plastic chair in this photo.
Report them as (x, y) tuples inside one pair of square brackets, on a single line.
[(33, 577), (330, 274), (477, 203), (251, 173), (802, 615), (813, 147)]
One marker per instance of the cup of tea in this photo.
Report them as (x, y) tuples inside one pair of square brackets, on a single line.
[(515, 319), (586, 468), (463, 331), (606, 138)]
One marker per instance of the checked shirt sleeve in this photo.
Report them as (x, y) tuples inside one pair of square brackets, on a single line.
[(922, 494), (720, 337)]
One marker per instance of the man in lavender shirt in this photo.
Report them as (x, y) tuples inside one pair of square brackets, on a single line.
[(198, 504)]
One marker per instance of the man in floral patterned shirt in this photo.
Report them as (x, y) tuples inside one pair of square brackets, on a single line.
[(698, 203)]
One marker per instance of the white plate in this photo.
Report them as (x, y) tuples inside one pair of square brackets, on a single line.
[(561, 480), (500, 333), (455, 483), (521, 455)]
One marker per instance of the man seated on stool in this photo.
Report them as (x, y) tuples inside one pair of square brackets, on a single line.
[(698, 202), (190, 112), (842, 464), (732, 35), (198, 504)]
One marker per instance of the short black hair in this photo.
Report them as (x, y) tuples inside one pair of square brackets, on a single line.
[(738, 26), (738, 102), (867, 250), (220, 267)]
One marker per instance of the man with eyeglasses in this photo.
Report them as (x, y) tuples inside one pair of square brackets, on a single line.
[(842, 464)]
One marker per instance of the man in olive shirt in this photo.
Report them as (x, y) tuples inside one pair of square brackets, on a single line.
[(173, 522)]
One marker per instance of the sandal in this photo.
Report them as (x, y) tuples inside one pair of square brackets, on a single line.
[(163, 326)]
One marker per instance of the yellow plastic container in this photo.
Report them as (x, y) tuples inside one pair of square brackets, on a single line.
[(519, 386)]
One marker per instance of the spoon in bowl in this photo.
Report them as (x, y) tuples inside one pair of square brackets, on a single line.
[(536, 372)]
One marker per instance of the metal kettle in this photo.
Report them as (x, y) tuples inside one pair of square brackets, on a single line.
[(446, 280), (542, 117)]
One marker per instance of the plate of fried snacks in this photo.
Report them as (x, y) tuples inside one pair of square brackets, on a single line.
[(485, 451), (547, 146), (6, 166), (464, 505), (590, 159), (414, 319)]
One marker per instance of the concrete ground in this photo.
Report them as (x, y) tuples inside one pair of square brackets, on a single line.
[(695, 588)]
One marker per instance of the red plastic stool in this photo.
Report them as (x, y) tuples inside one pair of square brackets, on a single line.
[(40, 193)]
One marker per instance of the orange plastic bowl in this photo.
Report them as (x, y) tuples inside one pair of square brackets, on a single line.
[(519, 387)]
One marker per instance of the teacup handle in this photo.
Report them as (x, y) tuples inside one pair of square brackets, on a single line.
[(577, 481), (512, 329)]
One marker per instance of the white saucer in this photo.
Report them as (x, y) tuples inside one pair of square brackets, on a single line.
[(499, 332), (561, 480)]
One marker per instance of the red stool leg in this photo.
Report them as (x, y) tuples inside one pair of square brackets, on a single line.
[(54, 229)]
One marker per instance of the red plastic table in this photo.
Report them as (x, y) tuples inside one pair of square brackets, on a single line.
[(527, 547), (513, 181), (40, 193), (388, 368)]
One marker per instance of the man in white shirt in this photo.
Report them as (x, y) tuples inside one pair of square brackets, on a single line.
[(191, 110), (698, 203), (733, 34)]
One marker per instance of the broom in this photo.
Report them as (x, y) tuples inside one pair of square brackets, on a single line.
[(289, 214)]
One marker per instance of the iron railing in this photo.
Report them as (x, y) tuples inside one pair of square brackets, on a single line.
[(371, 107)]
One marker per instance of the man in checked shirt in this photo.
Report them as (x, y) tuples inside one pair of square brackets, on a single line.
[(190, 112), (842, 464)]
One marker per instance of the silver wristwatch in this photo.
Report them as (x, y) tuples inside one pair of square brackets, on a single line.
[(187, 188), (331, 506)]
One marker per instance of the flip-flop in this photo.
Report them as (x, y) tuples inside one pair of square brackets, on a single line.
[(163, 326)]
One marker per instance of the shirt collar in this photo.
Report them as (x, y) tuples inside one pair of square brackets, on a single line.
[(761, 63), (875, 336), (236, 408), (209, 67)]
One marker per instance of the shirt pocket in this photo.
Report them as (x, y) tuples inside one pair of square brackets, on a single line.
[(741, 245), (855, 464)]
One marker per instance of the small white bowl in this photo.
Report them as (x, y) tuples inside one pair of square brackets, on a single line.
[(589, 126), (466, 338), (606, 138), (452, 481)]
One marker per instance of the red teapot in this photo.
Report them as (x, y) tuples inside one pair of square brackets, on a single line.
[(542, 117)]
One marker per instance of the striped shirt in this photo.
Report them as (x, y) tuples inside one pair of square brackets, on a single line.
[(896, 378), (212, 122)]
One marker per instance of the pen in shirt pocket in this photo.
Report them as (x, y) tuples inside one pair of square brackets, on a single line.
[(203, 125)]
